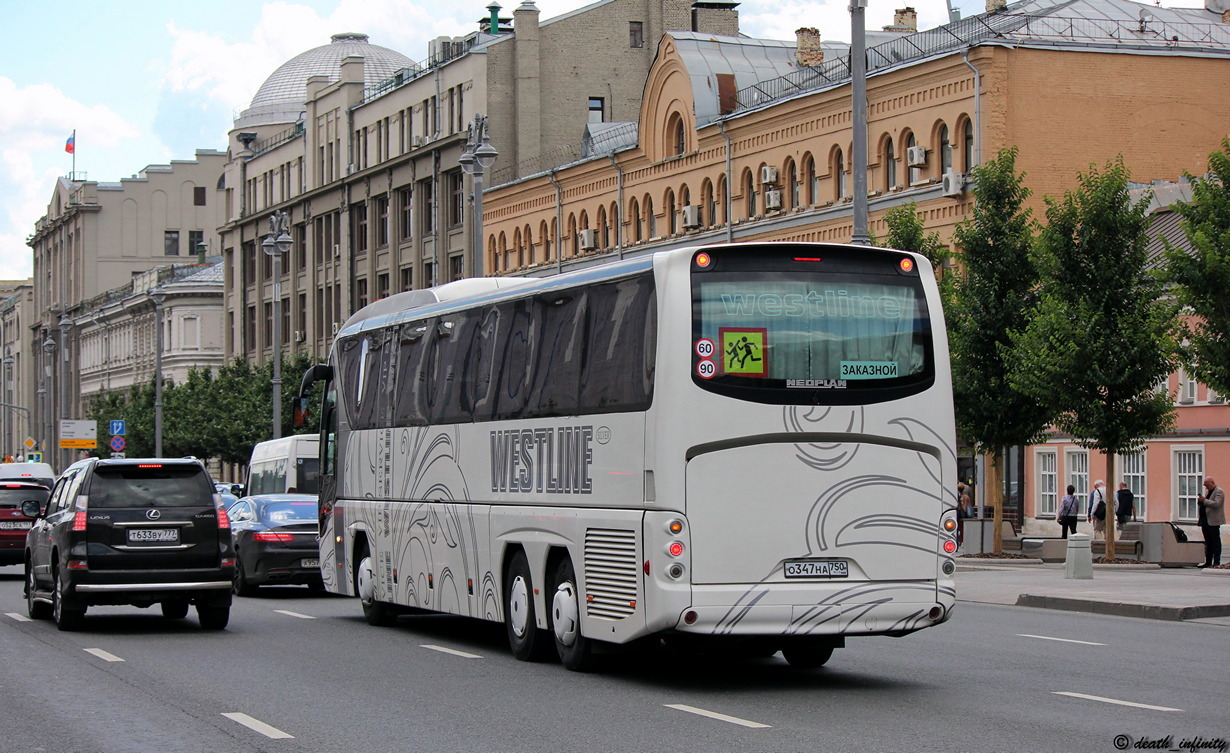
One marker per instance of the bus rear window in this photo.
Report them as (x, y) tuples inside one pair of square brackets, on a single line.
[(805, 332)]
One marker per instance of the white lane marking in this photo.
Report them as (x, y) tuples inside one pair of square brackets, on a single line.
[(716, 715), (1062, 640), (104, 655), (18, 617), (1115, 701), (289, 613), (452, 651), (257, 725)]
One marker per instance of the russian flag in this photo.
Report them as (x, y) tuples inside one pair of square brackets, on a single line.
[(70, 146)]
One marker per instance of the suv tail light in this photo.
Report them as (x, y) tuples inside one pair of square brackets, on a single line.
[(224, 520), (79, 521)]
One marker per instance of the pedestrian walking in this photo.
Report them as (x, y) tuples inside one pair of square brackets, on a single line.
[(1097, 508), (963, 512), (1123, 504), (1211, 516), (1068, 510)]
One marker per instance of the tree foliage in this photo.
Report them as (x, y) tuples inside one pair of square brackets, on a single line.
[(1201, 275), (1098, 343), (906, 232)]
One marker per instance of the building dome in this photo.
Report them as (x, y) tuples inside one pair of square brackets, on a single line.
[(281, 98)]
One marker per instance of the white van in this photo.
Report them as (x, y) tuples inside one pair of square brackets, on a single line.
[(289, 464), (39, 473)]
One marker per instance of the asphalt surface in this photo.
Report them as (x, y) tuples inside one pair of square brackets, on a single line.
[(1146, 591)]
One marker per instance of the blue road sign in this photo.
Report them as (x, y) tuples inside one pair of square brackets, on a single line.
[(117, 444), (117, 429)]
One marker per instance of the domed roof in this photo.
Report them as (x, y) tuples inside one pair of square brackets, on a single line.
[(280, 99)]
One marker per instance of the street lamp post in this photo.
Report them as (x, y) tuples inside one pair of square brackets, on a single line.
[(65, 455), (858, 95), (477, 158), (276, 247), (157, 296), (7, 376), (49, 349)]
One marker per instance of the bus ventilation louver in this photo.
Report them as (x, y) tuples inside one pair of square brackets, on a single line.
[(611, 573)]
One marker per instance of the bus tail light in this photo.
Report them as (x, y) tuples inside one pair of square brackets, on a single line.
[(936, 612), (675, 549), (950, 546), (950, 525), (690, 617)]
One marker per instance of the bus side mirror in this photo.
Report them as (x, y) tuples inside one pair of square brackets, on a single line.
[(301, 413)]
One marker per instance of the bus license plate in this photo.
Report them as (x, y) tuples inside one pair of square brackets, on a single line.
[(153, 536), (310, 563), (817, 569)]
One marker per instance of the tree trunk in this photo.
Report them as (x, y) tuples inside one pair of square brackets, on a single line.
[(1112, 506), (994, 494)]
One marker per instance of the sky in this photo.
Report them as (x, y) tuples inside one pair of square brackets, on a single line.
[(144, 82)]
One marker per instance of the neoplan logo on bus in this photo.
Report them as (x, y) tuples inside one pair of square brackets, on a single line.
[(551, 461)]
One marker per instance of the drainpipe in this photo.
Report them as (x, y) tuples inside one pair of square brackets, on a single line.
[(977, 107), (730, 227), (619, 207), (559, 221)]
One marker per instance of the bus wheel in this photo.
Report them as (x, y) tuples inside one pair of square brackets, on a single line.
[(807, 655), (575, 650), (527, 642), (376, 613)]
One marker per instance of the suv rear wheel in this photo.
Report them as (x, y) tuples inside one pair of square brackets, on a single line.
[(66, 616), (213, 618), (175, 610), (38, 610)]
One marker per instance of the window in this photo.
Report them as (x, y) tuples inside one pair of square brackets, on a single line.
[(457, 196), (792, 180), (301, 246), (1048, 481), (382, 285), (196, 238), (1077, 462), (427, 208), (839, 176), (749, 193), (407, 278), (596, 109), (407, 211), (190, 333), (268, 324), (285, 333), (382, 221), (361, 291), (915, 173), (302, 313), (1134, 465), (170, 243), (945, 151), (672, 218), (359, 213), (890, 165), (1187, 388), (1189, 480), (636, 34), (456, 267), (198, 196), (967, 148)]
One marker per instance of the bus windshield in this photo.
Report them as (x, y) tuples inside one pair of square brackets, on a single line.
[(792, 330)]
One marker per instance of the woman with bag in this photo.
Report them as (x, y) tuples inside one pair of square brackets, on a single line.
[(1068, 509)]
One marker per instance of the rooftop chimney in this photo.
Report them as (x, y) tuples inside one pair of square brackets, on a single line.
[(807, 51), (906, 18), (995, 6)]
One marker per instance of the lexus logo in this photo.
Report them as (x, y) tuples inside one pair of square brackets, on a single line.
[(153, 514)]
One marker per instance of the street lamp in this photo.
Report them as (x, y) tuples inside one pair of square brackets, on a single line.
[(49, 349), (276, 247), (858, 95), (157, 296), (7, 376), (478, 156)]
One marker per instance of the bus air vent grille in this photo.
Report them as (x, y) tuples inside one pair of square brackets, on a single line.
[(611, 574)]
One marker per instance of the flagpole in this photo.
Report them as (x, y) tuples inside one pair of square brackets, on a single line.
[(74, 176)]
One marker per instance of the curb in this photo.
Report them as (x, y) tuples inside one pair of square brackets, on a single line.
[(1121, 609)]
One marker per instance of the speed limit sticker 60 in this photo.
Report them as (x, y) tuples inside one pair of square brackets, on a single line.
[(704, 347)]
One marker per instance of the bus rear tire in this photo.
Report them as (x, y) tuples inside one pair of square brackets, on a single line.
[(807, 655), (377, 613), (575, 650), (527, 642)]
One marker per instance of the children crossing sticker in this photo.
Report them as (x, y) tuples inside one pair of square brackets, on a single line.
[(744, 351)]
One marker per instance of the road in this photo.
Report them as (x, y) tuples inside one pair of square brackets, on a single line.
[(297, 671)]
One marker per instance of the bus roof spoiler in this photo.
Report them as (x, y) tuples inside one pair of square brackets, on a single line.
[(318, 373)]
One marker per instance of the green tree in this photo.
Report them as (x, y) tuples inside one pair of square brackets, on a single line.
[(988, 303), (1201, 275), (1099, 340), (906, 232)]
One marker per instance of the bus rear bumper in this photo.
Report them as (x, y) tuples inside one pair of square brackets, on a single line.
[(893, 608)]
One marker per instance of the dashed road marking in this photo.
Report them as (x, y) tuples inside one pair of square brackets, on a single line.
[(716, 715), (1062, 640), (104, 655), (18, 617), (1115, 701), (289, 613), (257, 725), (452, 651)]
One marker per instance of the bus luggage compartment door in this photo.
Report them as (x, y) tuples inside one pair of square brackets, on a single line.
[(753, 509)]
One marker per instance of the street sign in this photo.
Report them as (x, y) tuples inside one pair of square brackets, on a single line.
[(117, 427), (117, 444), (30, 443), (78, 435), (34, 457)]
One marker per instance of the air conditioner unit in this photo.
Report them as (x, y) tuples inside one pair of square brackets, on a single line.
[(300, 336), (588, 239), (336, 325), (954, 183), (337, 249), (416, 141), (690, 216), (768, 174), (916, 156), (772, 200)]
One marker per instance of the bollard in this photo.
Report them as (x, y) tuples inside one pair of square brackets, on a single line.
[(1078, 564)]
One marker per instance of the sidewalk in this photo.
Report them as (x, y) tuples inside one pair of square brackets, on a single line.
[(1124, 590)]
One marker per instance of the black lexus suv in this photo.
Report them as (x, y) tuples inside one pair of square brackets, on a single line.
[(139, 532)]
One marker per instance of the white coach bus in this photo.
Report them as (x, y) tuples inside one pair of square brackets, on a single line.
[(749, 443)]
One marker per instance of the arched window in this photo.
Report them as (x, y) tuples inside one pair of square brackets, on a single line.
[(613, 219), (554, 249), (945, 150), (678, 136), (544, 236), (915, 173), (968, 146), (672, 218), (890, 165), (651, 222), (634, 217), (493, 258), (573, 238), (529, 247), (839, 176), (721, 199), (517, 247), (708, 206), (685, 196), (505, 253), (604, 232), (792, 184), (749, 193)]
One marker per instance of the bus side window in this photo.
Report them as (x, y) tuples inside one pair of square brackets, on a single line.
[(328, 422), (619, 363), (558, 359), (409, 399)]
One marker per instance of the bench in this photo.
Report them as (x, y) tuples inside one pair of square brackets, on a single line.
[(1127, 544), (1162, 545)]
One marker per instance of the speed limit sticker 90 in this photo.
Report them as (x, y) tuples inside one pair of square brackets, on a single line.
[(705, 347), (706, 369)]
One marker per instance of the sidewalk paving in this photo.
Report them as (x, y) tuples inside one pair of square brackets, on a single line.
[(1125, 590)]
